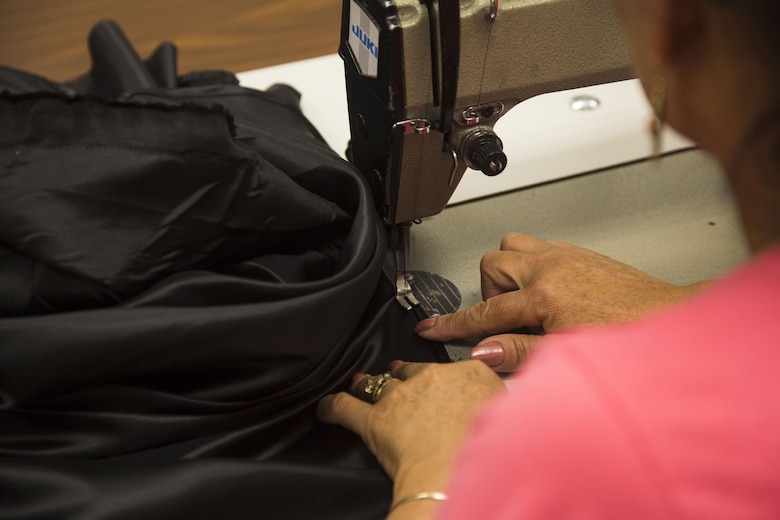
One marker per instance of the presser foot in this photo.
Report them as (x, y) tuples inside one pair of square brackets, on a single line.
[(405, 296)]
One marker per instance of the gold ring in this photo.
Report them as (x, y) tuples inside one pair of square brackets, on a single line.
[(381, 384), (374, 387)]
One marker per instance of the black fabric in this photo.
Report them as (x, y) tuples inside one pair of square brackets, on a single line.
[(186, 268)]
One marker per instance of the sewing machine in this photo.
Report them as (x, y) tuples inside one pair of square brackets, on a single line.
[(427, 81)]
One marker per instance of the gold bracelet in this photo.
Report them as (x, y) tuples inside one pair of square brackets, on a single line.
[(431, 495)]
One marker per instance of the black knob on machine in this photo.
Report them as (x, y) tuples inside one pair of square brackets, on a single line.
[(486, 154)]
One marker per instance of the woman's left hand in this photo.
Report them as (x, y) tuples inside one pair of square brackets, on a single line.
[(419, 419)]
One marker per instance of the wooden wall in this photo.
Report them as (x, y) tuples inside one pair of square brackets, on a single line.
[(49, 37)]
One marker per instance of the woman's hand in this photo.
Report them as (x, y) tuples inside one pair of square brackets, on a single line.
[(419, 421), (552, 285)]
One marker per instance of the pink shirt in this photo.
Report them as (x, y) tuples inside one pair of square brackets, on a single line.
[(674, 417)]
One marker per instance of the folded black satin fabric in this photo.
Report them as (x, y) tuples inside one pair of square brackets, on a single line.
[(186, 268)]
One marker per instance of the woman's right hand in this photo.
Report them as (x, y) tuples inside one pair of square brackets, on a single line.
[(553, 285)]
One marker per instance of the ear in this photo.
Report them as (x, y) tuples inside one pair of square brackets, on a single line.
[(678, 27)]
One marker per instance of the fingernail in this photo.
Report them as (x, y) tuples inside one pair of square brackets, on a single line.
[(490, 353), (395, 364), (357, 377), (424, 325)]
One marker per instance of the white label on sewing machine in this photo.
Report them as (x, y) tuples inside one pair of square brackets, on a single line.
[(363, 40)]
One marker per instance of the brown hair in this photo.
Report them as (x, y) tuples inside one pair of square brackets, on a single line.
[(763, 15)]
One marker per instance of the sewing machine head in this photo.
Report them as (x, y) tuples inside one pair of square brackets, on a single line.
[(427, 80)]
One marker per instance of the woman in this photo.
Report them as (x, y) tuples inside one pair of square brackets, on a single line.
[(672, 415)]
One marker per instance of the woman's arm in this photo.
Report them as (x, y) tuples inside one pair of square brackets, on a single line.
[(553, 285)]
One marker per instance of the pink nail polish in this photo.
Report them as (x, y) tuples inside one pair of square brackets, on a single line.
[(490, 353), (395, 364), (424, 325)]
